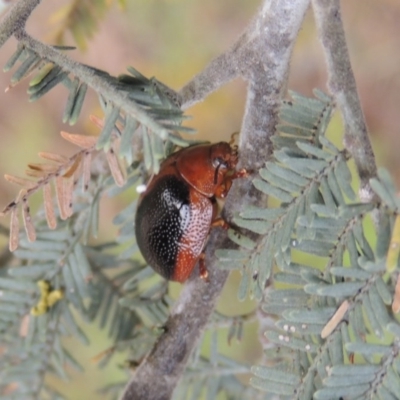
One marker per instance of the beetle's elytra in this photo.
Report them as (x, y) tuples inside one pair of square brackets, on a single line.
[(175, 213)]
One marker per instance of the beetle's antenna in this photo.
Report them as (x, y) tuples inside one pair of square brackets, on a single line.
[(233, 138)]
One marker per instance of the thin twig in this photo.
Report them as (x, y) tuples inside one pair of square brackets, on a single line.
[(263, 58), (342, 84), (88, 75)]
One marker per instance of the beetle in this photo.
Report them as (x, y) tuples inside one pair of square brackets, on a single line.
[(176, 211)]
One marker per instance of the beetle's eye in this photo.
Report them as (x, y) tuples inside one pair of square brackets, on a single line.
[(218, 163)]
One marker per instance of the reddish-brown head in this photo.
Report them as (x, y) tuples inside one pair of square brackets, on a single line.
[(204, 167)]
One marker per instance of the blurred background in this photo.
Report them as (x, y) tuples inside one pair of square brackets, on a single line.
[(173, 40)]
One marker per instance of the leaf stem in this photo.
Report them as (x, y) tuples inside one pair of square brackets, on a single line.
[(88, 75)]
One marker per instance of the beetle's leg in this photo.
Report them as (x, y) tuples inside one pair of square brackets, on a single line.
[(223, 189), (219, 222), (242, 173), (203, 268)]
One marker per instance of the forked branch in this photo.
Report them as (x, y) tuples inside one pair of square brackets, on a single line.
[(263, 53)]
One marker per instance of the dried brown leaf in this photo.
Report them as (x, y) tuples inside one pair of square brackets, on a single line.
[(71, 170), (29, 227), (14, 230), (86, 164), (19, 181), (8, 208), (24, 327), (99, 122), (58, 158), (10, 388), (83, 141), (68, 194), (36, 174), (116, 171), (335, 320), (43, 167), (394, 248), (61, 197), (49, 207), (396, 299), (100, 356)]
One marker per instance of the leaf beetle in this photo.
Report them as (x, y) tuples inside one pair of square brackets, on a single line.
[(178, 208)]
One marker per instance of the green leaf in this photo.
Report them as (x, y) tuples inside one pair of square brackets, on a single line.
[(229, 254), (287, 174), (45, 86), (291, 342), (73, 91), (269, 214), (279, 182), (38, 256), (243, 286), (343, 176), (383, 290), (392, 381), (77, 104), (241, 240), (344, 289), (326, 192), (272, 190), (353, 273), (275, 375), (13, 284), (335, 188), (16, 56), (354, 370), (315, 247), (293, 130), (348, 392), (312, 150), (300, 328), (32, 272), (260, 227), (111, 118), (125, 149), (320, 315), (380, 309), (30, 63), (269, 387), (367, 348), (384, 236)]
